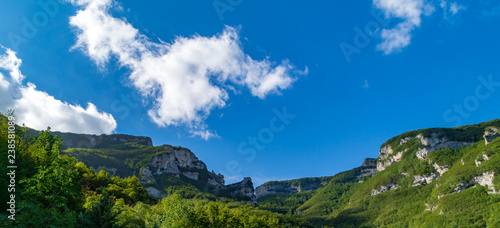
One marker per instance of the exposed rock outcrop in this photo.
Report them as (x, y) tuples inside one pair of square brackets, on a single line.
[(424, 180), (485, 180), (191, 175), (435, 142), (369, 167), (383, 189), (490, 134), (428, 145), (481, 159), (440, 169), (181, 157), (243, 190), (146, 176), (384, 159)]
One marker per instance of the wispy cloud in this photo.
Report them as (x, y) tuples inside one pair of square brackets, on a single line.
[(187, 78), (452, 8), (410, 11), (365, 84), (37, 109)]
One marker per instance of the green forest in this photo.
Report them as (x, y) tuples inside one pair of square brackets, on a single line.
[(55, 189)]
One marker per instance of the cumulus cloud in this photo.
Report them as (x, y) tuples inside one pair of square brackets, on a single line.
[(410, 11), (38, 109), (187, 78)]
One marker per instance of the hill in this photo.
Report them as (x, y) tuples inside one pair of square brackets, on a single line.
[(438, 177)]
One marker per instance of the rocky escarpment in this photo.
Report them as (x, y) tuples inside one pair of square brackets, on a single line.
[(181, 159), (182, 163), (490, 134), (427, 145), (179, 162), (437, 142), (368, 168), (242, 190), (385, 160)]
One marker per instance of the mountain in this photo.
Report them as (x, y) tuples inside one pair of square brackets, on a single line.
[(159, 168), (438, 177)]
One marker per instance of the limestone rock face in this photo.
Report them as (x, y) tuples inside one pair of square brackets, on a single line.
[(369, 162), (424, 180), (434, 142), (146, 176), (428, 145), (383, 189), (490, 134), (181, 157), (484, 157), (486, 180), (369, 167), (385, 161), (440, 169), (242, 189), (191, 175), (275, 189)]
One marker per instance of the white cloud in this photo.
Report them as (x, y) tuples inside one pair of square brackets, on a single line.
[(410, 11), (455, 7), (187, 78), (38, 109), (452, 8)]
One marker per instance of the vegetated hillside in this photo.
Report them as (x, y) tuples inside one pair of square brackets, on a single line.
[(450, 187), (161, 169), (315, 204), (56, 190), (286, 196), (440, 177)]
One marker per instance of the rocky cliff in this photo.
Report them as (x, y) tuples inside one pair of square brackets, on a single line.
[(430, 140), (390, 154), (243, 190)]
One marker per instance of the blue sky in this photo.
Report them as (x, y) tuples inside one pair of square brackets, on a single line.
[(217, 76)]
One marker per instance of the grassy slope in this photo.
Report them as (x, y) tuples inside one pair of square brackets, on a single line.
[(405, 206), (346, 203)]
